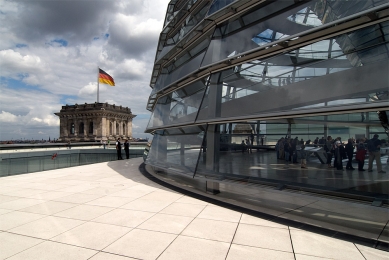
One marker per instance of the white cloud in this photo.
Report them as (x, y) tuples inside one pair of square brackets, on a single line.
[(50, 51), (14, 63), (6, 117)]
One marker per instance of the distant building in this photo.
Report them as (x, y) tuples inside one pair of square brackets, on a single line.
[(95, 122)]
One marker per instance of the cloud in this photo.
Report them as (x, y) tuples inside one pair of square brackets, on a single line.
[(132, 36), (6, 117), (50, 51), (91, 88), (75, 21), (14, 64)]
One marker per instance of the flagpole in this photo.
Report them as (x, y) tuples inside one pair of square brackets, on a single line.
[(98, 70)]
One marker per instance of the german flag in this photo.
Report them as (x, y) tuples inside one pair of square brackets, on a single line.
[(105, 78)]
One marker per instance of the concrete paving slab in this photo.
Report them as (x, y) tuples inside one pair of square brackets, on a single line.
[(166, 223), (239, 252), (4, 211), (190, 200), (309, 257), (50, 250), (124, 217), (146, 205), (6, 189), (263, 237), (5, 198), (12, 244), (211, 229), (131, 193), (141, 244), (92, 235), (219, 213), (312, 244), (24, 193), (183, 209), (84, 212), (372, 254), (110, 201), (162, 196), (78, 198), (47, 227), (20, 203), (49, 207), (108, 256), (247, 219), (50, 195), (189, 248), (102, 190)]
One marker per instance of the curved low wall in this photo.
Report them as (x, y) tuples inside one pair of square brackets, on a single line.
[(33, 160)]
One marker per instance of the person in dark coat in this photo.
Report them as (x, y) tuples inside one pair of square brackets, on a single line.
[(360, 156), (287, 148), (339, 155), (119, 149), (350, 152), (293, 150), (328, 148), (127, 149)]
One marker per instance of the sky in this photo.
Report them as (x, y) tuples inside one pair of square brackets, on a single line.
[(50, 51)]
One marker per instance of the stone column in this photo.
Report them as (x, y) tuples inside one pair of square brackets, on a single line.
[(75, 121), (63, 124), (85, 121), (120, 127), (129, 127), (114, 127), (103, 125)]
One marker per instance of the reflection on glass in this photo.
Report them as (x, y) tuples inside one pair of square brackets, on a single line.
[(242, 155), (219, 4), (176, 150), (180, 106), (268, 36), (285, 79), (237, 35)]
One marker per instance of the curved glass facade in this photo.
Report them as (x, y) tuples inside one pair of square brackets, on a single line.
[(257, 92)]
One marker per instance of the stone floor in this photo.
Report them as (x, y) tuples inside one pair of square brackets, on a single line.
[(111, 211)]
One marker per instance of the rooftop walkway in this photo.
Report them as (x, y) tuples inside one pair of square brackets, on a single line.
[(112, 211)]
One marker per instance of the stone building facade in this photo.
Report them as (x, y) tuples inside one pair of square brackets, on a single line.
[(95, 122)]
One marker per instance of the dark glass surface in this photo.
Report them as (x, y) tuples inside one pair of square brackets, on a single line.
[(219, 4), (176, 151), (325, 73), (191, 65), (180, 106), (261, 27), (257, 161)]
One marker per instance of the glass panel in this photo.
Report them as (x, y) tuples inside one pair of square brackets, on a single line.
[(164, 80), (180, 106), (189, 23), (176, 152), (219, 4), (325, 73), (245, 151), (252, 31)]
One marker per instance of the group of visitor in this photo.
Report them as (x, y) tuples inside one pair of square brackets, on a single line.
[(335, 148), (118, 146), (287, 149), (126, 149)]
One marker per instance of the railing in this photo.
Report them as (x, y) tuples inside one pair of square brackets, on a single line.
[(43, 158)]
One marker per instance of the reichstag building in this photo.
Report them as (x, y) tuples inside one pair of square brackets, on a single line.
[(234, 79)]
